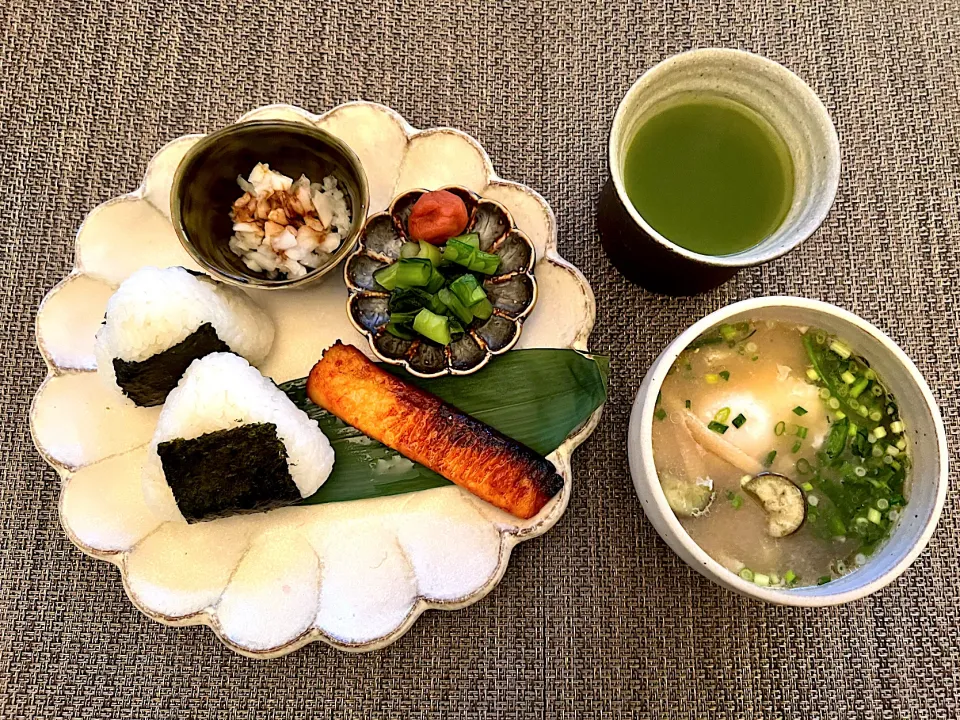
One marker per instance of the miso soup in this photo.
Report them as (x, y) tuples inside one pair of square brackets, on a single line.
[(781, 452)]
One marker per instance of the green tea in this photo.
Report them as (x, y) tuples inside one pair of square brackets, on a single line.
[(710, 175)]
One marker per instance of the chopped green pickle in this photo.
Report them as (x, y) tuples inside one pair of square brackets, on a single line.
[(807, 501)]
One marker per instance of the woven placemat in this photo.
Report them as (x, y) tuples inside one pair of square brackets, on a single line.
[(598, 618)]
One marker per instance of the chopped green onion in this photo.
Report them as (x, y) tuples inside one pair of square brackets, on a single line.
[(877, 451), (750, 347), (717, 427), (789, 577), (873, 515), (800, 410), (877, 390), (761, 579), (824, 579), (813, 500), (771, 456), (833, 403), (876, 415), (729, 332), (848, 377), (736, 500), (863, 410), (711, 378), (796, 447), (871, 438), (747, 574), (780, 428), (803, 467), (821, 338), (896, 427), (883, 504), (901, 444), (879, 432), (807, 487), (660, 414), (812, 374), (840, 349), (892, 451), (852, 431), (687, 404), (840, 415), (739, 420), (801, 432), (725, 374), (432, 326), (824, 394), (722, 414)]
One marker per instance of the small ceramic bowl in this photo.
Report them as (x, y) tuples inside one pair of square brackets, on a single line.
[(917, 407), (205, 188), (512, 290), (785, 101)]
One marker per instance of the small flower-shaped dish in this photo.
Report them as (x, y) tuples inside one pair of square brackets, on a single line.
[(512, 290)]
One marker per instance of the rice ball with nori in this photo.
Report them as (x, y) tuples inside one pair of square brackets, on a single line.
[(230, 442), (160, 320)]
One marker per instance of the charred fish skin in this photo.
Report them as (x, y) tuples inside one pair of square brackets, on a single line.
[(427, 430)]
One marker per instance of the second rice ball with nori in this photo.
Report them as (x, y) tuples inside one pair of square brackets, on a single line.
[(230, 442)]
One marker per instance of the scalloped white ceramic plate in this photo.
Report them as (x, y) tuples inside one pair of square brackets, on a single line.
[(355, 575)]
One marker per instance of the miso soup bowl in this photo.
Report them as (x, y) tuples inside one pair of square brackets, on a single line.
[(925, 433)]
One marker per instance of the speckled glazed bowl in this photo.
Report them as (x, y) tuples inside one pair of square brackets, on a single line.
[(205, 188), (925, 434), (512, 290)]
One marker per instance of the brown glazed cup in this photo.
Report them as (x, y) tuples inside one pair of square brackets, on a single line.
[(648, 258), (205, 188)]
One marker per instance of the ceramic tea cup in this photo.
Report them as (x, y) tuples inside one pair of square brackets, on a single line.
[(785, 101)]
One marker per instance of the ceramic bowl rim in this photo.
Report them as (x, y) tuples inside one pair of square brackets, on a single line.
[(642, 466), (252, 281), (749, 257)]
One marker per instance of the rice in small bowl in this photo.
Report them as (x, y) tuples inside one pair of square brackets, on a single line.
[(269, 204)]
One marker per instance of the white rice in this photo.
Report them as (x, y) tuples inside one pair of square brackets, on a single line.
[(154, 309), (222, 391), (287, 228)]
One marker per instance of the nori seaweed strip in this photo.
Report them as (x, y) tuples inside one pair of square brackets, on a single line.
[(148, 382), (228, 472)]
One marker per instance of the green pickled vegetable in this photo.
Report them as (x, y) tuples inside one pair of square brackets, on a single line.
[(410, 250), (430, 252), (468, 290), (482, 309), (452, 301), (470, 257), (432, 326)]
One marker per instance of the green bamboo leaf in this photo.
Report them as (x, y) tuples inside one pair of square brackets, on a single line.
[(550, 394)]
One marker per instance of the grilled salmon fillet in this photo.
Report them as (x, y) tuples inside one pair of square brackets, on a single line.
[(427, 430)]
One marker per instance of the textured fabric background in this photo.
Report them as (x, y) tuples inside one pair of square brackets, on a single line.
[(598, 618)]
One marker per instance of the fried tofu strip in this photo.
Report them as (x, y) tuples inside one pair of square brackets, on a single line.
[(425, 429)]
